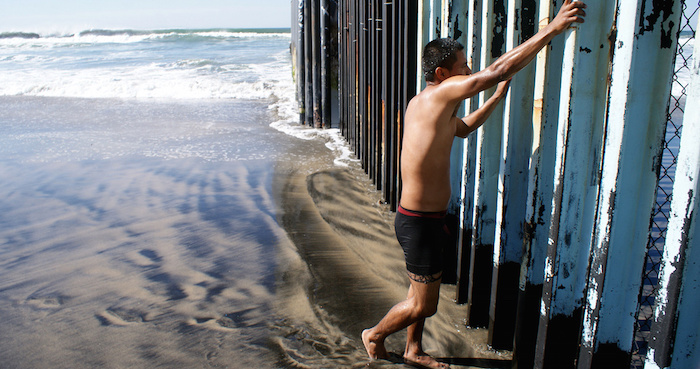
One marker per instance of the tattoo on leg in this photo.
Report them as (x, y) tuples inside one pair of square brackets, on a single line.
[(425, 278)]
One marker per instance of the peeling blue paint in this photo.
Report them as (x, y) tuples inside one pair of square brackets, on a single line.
[(498, 42), (661, 11)]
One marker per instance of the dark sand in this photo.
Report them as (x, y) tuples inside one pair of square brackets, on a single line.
[(345, 236)]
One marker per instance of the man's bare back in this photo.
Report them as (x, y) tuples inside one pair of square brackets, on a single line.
[(431, 122), (425, 164), (430, 128)]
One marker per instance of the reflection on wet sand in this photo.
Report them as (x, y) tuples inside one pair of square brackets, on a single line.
[(183, 245), (136, 264)]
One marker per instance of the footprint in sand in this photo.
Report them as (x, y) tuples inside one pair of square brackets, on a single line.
[(235, 320), (145, 258), (48, 302), (121, 316)]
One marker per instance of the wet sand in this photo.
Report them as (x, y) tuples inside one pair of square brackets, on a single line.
[(131, 237), (135, 265)]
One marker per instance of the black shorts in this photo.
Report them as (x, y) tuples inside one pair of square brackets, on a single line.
[(423, 237)]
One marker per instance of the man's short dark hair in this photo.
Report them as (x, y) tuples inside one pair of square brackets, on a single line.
[(441, 52)]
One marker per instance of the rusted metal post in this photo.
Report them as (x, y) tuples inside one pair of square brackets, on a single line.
[(363, 86), (676, 329), (371, 90), (325, 61), (377, 57), (342, 68), (512, 181), (316, 62), (308, 64), (354, 75), (388, 82), (394, 109), (300, 67), (412, 74)]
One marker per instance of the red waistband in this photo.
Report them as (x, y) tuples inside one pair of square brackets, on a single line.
[(422, 214)]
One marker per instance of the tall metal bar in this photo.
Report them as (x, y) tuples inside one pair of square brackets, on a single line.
[(342, 68), (387, 83), (308, 63), (583, 102), (363, 85), (512, 181), (325, 63), (539, 193), (454, 20), (300, 67), (454, 25), (412, 50), (466, 210), (488, 148), (316, 62), (377, 90), (676, 329), (354, 75), (370, 60), (390, 150), (633, 143)]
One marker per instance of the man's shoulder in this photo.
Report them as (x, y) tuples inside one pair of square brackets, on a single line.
[(425, 96)]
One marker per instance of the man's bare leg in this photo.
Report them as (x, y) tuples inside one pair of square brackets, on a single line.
[(414, 354), (421, 303)]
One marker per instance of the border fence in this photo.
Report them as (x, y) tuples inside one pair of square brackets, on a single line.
[(571, 250)]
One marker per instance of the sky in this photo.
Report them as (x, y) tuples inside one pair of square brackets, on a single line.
[(70, 16)]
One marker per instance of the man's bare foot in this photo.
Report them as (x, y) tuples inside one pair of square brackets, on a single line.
[(424, 360), (375, 349)]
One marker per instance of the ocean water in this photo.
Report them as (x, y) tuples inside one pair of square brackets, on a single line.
[(142, 219)]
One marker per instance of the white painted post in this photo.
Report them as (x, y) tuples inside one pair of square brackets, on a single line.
[(583, 102), (512, 181), (539, 193), (422, 38), (634, 137), (488, 147), (454, 26), (445, 18), (676, 330), (472, 35)]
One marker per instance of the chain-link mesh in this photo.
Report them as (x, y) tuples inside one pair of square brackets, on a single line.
[(659, 221)]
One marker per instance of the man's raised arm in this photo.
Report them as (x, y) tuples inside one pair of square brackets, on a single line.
[(459, 87)]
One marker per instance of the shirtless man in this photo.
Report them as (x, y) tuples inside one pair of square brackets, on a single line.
[(430, 128)]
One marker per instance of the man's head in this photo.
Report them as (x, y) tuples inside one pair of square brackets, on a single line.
[(443, 58)]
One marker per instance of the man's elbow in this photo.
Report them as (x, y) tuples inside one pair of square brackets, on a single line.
[(501, 71)]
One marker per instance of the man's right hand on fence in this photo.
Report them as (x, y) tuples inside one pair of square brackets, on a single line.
[(570, 12)]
